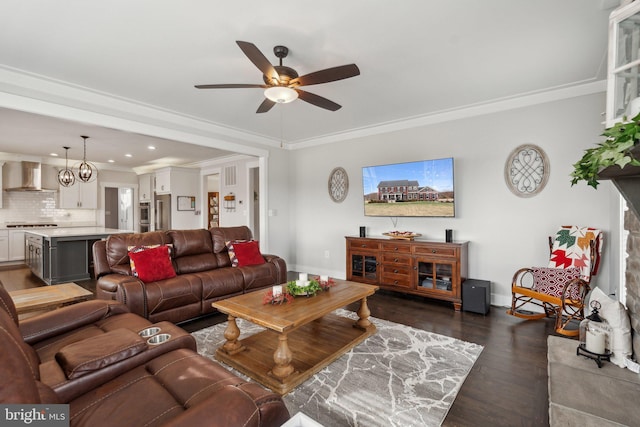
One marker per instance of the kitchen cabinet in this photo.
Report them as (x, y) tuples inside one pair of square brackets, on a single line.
[(145, 191), (4, 245), (62, 255), (420, 267), (163, 181), (34, 254), (81, 195), (16, 245)]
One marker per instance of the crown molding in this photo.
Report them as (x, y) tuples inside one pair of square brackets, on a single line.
[(503, 104)]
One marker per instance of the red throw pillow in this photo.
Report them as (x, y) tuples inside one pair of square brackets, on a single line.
[(551, 281), (245, 253), (153, 264)]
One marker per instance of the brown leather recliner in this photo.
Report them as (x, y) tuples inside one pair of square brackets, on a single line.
[(204, 272), (112, 376)]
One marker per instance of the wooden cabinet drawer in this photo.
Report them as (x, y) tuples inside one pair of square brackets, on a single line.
[(396, 259), (397, 247), (396, 276), (435, 250), (364, 244)]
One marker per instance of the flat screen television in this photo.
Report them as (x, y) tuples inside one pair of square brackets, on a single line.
[(414, 189)]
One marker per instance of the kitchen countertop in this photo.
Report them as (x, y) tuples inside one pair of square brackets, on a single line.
[(53, 232)]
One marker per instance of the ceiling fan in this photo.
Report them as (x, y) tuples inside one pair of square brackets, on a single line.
[(281, 83)]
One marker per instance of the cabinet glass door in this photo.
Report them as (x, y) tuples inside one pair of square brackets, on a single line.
[(623, 90), (364, 266), (434, 275)]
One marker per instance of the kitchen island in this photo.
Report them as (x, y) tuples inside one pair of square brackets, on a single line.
[(60, 255)]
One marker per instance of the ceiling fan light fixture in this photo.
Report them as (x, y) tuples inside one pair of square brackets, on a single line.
[(281, 94)]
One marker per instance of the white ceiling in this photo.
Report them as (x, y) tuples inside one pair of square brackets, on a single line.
[(417, 58)]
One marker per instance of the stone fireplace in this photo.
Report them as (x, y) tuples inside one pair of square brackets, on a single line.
[(632, 225)]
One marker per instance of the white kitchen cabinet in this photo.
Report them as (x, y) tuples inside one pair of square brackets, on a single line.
[(4, 245), (81, 195), (144, 184), (16, 245), (163, 181)]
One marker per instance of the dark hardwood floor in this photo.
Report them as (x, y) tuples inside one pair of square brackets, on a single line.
[(507, 386)]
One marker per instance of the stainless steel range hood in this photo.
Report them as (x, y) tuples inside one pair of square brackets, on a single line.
[(31, 179)]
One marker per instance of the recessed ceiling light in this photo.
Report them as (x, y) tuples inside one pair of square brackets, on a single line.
[(151, 147), (128, 155), (53, 154), (111, 161)]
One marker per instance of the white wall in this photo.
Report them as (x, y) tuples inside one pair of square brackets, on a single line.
[(505, 232)]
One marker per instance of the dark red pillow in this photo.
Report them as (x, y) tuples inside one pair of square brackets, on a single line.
[(153, 264), (245, 253)]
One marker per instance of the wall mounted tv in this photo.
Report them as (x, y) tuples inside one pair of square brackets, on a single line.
[(420, 189)]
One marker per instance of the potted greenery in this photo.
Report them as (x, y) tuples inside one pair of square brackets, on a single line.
[(619, 151)]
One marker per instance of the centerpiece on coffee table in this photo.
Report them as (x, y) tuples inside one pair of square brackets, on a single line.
[(303, 286)]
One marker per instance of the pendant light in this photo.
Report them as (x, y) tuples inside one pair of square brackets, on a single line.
[(66, 178), (87, 171)]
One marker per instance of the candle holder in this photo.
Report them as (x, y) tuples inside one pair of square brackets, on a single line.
[(281, 298), (594, 336), (325, 282), (597, 357)]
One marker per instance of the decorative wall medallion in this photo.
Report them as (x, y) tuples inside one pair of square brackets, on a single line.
[(338, 184), (527, 170)]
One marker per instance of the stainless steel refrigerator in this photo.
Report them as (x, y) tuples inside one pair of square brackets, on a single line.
[(163, 212)]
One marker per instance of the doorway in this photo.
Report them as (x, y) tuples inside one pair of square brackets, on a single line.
[(118, 208)]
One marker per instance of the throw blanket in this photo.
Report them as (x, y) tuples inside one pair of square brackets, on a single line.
[(572, 248)]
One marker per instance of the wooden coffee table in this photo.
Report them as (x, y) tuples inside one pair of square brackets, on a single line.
[(300, 338), (48, 297)]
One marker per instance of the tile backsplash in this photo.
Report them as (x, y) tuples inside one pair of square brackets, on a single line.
[(40, 207)]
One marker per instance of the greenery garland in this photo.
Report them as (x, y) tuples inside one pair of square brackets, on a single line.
[(311, 289), (615, 150)]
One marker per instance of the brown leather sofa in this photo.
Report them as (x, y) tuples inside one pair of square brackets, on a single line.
[(91, 357), (204, 272)]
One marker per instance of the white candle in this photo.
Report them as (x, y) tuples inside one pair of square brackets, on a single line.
[(277, 290), (595, 341), (303, 277), (324, 278)]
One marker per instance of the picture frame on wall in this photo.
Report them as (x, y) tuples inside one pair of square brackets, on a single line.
[(186, 203)]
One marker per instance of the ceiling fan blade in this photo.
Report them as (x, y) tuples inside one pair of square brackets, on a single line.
[(266, 105), (327, 75), (259, 60), (317, 100), (229, 86)]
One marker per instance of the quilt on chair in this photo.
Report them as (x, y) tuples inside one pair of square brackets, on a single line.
[(571, 248)]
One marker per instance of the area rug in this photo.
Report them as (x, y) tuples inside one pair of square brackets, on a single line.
[(400, 376)]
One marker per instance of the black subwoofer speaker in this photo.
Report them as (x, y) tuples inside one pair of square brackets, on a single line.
[(476, 296)]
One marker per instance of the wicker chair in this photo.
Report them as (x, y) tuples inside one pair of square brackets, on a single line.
[(561, 288)]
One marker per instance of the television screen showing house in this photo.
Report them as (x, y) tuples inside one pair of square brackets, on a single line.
[(423, 188)]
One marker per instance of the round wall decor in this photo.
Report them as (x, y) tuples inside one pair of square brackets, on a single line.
[(527, 170), (338, 184)]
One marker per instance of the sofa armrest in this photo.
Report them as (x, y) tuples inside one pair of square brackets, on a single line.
[(99, 352), (128, 290), (100, 264), (280, 264), (56, 322)]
